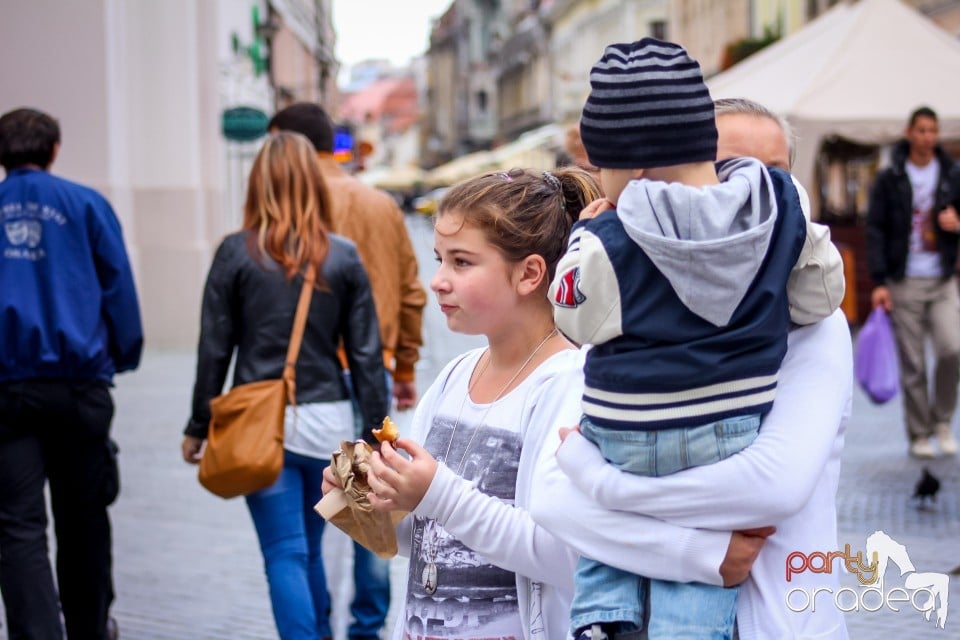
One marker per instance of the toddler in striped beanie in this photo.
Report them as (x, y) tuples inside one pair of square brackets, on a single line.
[(679, 280), (648, 107)]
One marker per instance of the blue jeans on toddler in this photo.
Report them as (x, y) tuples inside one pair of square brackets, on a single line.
[(290, 533), (679, 611)]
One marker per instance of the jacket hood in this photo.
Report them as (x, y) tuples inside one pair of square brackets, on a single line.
[(708, 242)]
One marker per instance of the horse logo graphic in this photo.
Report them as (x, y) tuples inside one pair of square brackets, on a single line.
[(27, 232), (933, 587)]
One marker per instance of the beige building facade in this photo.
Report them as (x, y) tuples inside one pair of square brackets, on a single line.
[(139, 89), (580, 30)]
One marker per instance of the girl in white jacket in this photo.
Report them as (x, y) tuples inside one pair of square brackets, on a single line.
[(479, 565)]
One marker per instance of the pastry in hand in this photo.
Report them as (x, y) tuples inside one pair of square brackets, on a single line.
[(388, 432)]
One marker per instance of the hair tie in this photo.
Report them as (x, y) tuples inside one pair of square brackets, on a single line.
[(552, 180), (506, 176)]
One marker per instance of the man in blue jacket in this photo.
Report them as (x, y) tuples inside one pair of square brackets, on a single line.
[(69, 320)]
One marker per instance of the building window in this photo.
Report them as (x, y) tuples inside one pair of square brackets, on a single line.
[(658, 29), (482, 101)]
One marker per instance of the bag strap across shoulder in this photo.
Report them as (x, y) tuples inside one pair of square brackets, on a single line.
[(296, 334)]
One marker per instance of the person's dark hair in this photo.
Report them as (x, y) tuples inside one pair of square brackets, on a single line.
[(308, 119), (523, 212), (27, 136), (921, 112)]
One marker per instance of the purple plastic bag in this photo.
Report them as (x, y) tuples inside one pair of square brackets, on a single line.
[(875, 361)]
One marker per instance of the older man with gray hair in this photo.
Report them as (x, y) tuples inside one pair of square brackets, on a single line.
[(747, 128)]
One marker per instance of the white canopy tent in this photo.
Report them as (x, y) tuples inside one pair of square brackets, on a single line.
[(857, 71)]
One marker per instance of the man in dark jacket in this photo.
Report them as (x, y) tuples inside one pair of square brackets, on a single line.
[(69, 320), (912, 228)]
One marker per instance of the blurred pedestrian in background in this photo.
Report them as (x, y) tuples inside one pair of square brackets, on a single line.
[(373, 221), (912, 228), (248, 308), (574, 153), (69, 321)]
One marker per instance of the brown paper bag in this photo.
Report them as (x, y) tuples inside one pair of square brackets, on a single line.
[(349, 509)]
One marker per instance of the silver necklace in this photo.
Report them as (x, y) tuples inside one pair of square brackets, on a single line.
[(431, 534)]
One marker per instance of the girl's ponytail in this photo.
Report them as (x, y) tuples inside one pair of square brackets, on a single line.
[(524, 212), (578, 189)]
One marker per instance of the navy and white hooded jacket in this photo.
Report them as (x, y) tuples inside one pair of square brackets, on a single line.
[(683, 293)]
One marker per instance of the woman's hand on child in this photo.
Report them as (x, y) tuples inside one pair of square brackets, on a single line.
[(595, 208), (743, 550), (398, 483), (330, 481)]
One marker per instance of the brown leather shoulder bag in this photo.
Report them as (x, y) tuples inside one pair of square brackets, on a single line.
[(244, 448)]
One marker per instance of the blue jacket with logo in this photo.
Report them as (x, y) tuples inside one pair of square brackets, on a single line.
[(68, 305)]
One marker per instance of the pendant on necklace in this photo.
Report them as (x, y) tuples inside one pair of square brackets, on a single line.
[(429, 578)]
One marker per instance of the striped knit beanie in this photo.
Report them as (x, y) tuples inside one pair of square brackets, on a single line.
[(648, 107)]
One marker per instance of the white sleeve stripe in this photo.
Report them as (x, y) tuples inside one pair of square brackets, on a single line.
[(677, 413), (676, 397)]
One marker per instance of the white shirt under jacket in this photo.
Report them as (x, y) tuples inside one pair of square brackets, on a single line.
[(788, 477)]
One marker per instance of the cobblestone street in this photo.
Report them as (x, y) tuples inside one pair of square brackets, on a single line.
[(187, 564)]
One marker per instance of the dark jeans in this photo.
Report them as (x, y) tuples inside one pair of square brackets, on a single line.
[(56, 430)]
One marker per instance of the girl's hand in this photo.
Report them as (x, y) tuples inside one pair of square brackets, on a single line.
[(330, 481), (190, 449), (398, 483), (595, 208)]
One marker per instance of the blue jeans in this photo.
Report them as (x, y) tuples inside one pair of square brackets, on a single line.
[(371, 573), (680, 611), (290, 535)]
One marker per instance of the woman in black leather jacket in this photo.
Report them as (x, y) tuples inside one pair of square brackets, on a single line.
[(248, 307)]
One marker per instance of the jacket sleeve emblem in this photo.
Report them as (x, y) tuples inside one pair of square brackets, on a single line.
[(568, 290)]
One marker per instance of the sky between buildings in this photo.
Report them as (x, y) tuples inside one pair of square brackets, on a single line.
[(395, 30)]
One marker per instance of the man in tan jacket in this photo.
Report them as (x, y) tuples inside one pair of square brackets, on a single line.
[(373, 221)]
